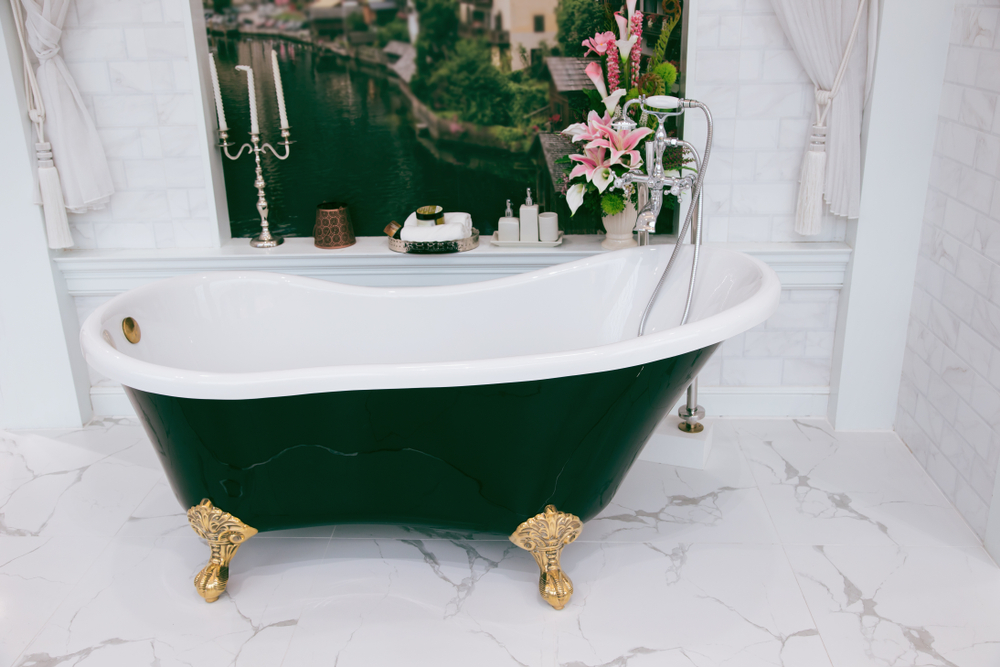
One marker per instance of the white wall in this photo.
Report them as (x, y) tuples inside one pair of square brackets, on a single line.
[(949, 402), (135, 63), (135, 66)]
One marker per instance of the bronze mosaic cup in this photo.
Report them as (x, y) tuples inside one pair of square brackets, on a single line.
[(333, 226)]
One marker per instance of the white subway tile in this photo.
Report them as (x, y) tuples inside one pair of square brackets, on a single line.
[(806, 372), (772, 100), (782, 344), (956, 141), (173, 10), (183, 141), (151, 12), (97, 12), (976, 189), (977, 108), (135, 42), (139, 205), (962, 65), (718, 66), (166, 42), (803, 316), (959, 220), (93, 44), (764, 198), (144, 175), (730, 28), (764, 31), (90, 77), (161, 75), (124, 235), (973, 269), (193, 233), (184, 172), (944, 399), (988, 74), (794, 133), (749, 229), (778, 165), (974, 26), (124, 110), (751, 372), (176, 109), (120, 142), (130, 76), (164, 234), (150, 139), (783, 65), (180, 206), (751, 65)]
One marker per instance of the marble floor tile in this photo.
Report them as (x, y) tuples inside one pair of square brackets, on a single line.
[(56, 486), (718, 567), (442, 602), (822, 487), (659, 502), (137, 606), (881, 606), (36, 574)]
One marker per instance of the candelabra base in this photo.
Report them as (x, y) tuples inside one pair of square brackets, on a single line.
[(266, 241)]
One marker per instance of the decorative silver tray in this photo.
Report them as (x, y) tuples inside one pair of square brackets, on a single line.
[(435, 247)]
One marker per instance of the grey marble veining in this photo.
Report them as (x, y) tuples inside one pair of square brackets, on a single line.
[(796, 547)]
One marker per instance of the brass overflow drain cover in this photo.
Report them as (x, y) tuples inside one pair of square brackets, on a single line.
[(131, 330)]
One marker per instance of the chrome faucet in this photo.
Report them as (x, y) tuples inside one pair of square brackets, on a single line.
[(655, 182)]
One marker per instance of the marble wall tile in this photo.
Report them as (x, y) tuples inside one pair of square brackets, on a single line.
[(955, 320)]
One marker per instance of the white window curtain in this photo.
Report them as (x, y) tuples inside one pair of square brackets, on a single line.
[(822, 33), (62, 119)]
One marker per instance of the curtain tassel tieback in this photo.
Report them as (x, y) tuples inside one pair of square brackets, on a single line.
[(809, 210), (53, 205)]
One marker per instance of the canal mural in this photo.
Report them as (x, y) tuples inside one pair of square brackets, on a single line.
[(399, 104)]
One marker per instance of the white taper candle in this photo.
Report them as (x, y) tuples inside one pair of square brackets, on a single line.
[(254, 127), (218, 94), (282, 114)]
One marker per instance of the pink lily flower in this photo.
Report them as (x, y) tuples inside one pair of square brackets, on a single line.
[(622, 143), (594, 166), (599, 43), (593, 129)]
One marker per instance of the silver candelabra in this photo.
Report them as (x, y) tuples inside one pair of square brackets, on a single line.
[(265, 239)]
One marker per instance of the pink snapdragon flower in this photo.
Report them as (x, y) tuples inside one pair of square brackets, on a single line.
[(622, 143), (599, 43), (636, 53), (614, 66)]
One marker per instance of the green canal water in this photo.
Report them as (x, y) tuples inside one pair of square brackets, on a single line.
[(355, 143)]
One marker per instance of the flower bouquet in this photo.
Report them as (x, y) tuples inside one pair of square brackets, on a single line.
[(618, 76)]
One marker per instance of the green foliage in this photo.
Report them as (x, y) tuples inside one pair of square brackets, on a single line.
[(356, 22), (612, 203), (667, 73), (660, 50), (578, 20), (527, 98), (438, 37), (468, 83), (395, 30)]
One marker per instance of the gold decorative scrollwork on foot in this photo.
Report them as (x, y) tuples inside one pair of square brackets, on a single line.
[(545, 535), (224, 533)]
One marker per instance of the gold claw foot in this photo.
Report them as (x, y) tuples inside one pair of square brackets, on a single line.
[(545, 535), (224, 533)]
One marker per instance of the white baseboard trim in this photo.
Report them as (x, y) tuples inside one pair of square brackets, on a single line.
[(109, 400)]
